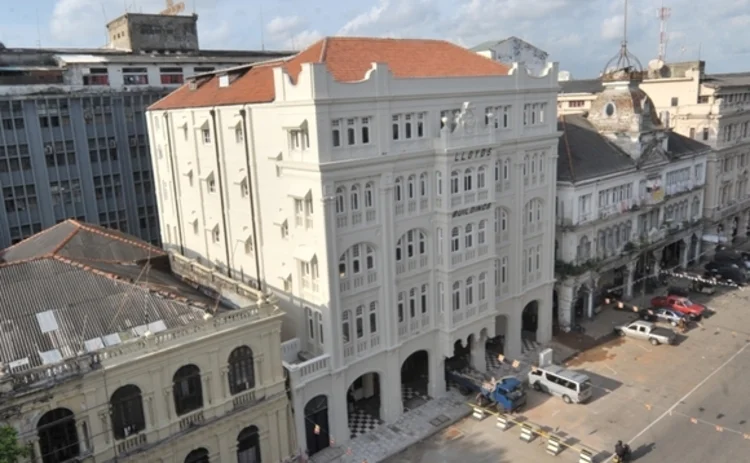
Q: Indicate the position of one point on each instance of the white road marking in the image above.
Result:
(685, 397)
(642, 347)
(610, 369)
(555, 412)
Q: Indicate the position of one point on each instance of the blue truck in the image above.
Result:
(507, 394)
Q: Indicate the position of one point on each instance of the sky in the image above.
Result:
(580, 34)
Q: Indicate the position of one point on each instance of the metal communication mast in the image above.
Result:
(663, 15)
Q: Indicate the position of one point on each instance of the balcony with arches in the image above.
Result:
(469, 242)
(360, 330)
(355, 205)
(532, 265)
(502, 175)
(534, 174)
(469, 299)
(411, 252)
(412, 194)
(357, 269)
(469, 186)
(533, 217)
(413, 312)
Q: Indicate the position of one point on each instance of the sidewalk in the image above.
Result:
(389, 439)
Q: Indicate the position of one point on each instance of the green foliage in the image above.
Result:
(10, 450)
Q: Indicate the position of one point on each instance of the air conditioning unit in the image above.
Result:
(112, 143)
(49, 149)
(133, 141)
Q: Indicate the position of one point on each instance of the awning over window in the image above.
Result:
(304, 253)
(299, 191)
(280, 218)
(301, 126)
(709, 238)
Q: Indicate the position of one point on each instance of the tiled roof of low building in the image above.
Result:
(77, 288)
(347, 59)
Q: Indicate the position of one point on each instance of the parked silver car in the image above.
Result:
(648, 331)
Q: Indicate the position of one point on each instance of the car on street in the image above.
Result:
(670, 316)
(641, 329)
(680, 304)
(726, 272)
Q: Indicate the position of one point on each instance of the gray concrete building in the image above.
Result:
(73, 140)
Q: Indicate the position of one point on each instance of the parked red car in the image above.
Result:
(680, 304)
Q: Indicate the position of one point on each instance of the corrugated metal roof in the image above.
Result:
(55, 309)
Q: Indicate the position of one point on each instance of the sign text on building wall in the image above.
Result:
(467, 155)
(471, 210)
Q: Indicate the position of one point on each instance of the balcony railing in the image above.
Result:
(193, 419)
(302, 372)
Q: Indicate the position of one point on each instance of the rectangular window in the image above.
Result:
(675, 101)
(336, 132)
(96, 76)
(420, 125)
(407, 126)
(692, 132)
(365, 130)
(396, 126)
(135, 76)
(351, 131)
(171, 76)
(705, 133)
(206, 135)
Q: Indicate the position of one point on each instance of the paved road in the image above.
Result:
(706, 376)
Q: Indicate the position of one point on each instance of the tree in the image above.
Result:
(10, 450)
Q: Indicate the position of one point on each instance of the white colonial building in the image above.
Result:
(398, 197)
(629, 195)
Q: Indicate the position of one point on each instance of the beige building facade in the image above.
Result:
(713, 109)
(176, 378)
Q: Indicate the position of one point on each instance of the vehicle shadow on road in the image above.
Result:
(603, 385)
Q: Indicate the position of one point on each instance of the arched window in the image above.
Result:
(584, 248)
(412, 303)
(400, 306)
(439, 183)
(469, 291)
(538, 257)
(506, 169)
(127, 411)
(480, 177)
(359, 321)
(248, 445)
(423, 300)
(346, 326)
(354, 197)
(187, 389)
(502, 220)
(455, 234)
(468, 175)
(197, 456)
(533, 165)
(241, 370)
(469, 236)
(398, 190)
(498, 170)
(525, 165)
(356, 259)
(423, 184)
(340, 201)
(456, 296)
(482, 286)
(441, 297)
(538, 208)
(454, 182)
(411, 244)
(412, 188)
(58, 438)
(481, 239)
(369, 201)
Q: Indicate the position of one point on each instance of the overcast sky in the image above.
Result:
(581, 34)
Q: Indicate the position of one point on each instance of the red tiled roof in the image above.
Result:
(348, 59)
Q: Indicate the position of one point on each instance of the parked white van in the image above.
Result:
(555, 380)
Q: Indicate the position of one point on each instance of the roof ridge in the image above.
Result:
(25, 261)
(324, 50)
(67, 239)
(567, 148)
(3, 251)
(145, 246)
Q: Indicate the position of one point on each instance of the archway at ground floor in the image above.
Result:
(317, 431)
(735, 224)
(364, 404)
(493, 347)
(694, 247)
(415, 380)
(530, 321)
(670, 257)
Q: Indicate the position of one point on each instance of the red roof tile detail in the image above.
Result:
(347, 59)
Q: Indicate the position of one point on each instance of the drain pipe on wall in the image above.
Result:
(170, 153)
(251, 196)
(220, 181)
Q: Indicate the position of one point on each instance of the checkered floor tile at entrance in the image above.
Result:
(412, 398)
(361, 422)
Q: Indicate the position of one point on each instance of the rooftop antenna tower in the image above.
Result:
(663, 15)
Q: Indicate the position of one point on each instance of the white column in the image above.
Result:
(387, 274)
(685, 252)
(391, 405)
(629, 276)
(332, 336)
(338, 421)
(298, 398)
(437, 373)
(565, 299)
